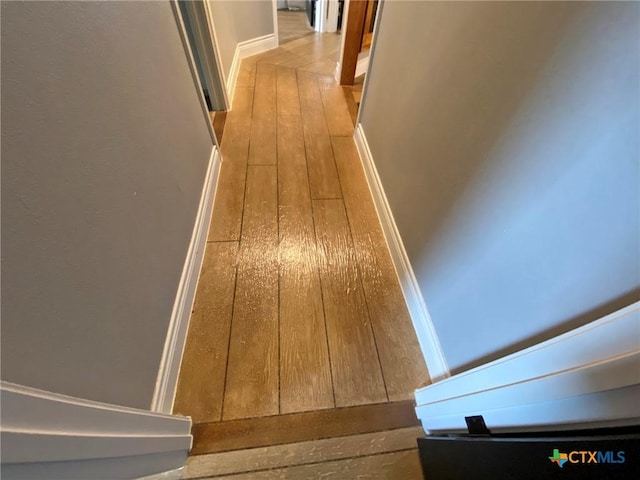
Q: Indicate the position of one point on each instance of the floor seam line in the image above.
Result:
(238, 254)
(317, 245)
(359, 270)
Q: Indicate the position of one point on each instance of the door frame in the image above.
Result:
(350, 60)
(192, 67)
(218, 56)
(205, 44)
(327, 23)
(274, 5)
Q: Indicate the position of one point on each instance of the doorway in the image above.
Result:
(357, 41)
(200, 35)
(294, 20)
(358, 38)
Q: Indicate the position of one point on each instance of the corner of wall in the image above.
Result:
(243, 50)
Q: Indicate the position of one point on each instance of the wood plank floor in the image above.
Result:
(299, 329)
(292, 25)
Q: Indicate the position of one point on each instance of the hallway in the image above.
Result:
(503, 161)
(298, 310)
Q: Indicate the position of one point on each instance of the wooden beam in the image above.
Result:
(353, 40)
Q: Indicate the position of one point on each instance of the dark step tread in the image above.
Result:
(299, 427)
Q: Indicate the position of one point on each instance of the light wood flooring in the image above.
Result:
(299, 330)
(316, 53)
(356, 89)
(292, 25)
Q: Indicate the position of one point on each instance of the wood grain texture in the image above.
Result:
(292, 25)
(296, 63)
(262, 150)
(323, 174)
(243, 105)
(292, 45)
(311, 50)
(335, 108)
(318, 320)
(218, 119)
(400, 356)
(246, 74)
(353, 95)
(319, 47)
(324, 67)
(202, 373)
(288, 102)
(262, 147)
(357, 376)
(252, 372)
(226, 218)
(302, 453)
(280, 58)
(317, 53)
(265, 55)
(403, 465)
(300, 427)
(305, 374)
(352, 104)
(313, 118)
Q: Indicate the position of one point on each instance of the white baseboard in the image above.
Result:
(243, 50)
(166, 383)
(176, 474)
(48, 435)
(363, 64)
(584, 378)
(425, 330)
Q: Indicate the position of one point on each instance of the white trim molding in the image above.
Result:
(49, 435)
(276, 32)
(192, 67)
(321, 7)
(585, 378)
(327, 13)
(217, 54)
(425, 330)
(363, 63)
(246, 49)
(166, 383)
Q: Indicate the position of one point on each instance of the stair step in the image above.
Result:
(384, 454)
(301, 427)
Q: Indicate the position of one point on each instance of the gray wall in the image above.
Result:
(238, 21)
(506, 136)
(104, 155)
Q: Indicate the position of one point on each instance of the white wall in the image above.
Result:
(506, 137)
(239, 21)
(104, 154)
